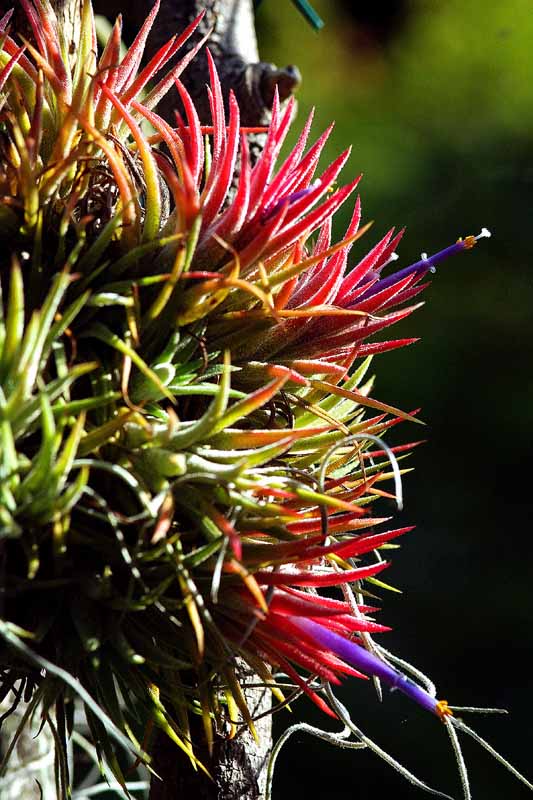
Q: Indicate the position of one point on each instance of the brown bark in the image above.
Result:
(233, 45)
(32, 762)
(237, 766)
(67, 12)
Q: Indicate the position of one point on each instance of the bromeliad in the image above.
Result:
(187, 459)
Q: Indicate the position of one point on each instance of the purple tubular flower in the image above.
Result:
(289, 199)
(367, 662)
(419, 268)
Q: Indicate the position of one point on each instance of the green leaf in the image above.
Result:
(207, 423)
(92, 259)
(306, 9)
(99, 331)
(39, 474)
(86, 621)
(309, 13)
(14, 325)
(250, 403)
(25, 417)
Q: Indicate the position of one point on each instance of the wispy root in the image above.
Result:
(341, 740)
(362, 437)
(454, 724)
(361, 741)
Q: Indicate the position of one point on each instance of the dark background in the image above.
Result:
(437, 100)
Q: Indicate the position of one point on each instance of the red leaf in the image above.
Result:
(308, 578)
(364, 266)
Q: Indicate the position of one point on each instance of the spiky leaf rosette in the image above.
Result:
(187, 456)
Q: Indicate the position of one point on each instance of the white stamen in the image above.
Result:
(392, 257)
(485, 234)
(425, 257)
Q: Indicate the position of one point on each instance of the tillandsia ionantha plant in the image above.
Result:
(190, 449)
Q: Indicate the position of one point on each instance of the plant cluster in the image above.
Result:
(189, 445)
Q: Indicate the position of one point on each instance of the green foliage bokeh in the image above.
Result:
(440, 116)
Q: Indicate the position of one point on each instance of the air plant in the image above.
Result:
(189, 444)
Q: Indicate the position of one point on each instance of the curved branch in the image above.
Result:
(233, 44)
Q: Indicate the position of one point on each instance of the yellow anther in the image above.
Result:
(468, 242)
(443, 709)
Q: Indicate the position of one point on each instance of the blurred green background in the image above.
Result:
(436, 98)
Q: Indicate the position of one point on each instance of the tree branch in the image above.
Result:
(233, 44)
(68, 14)
(237, 766)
